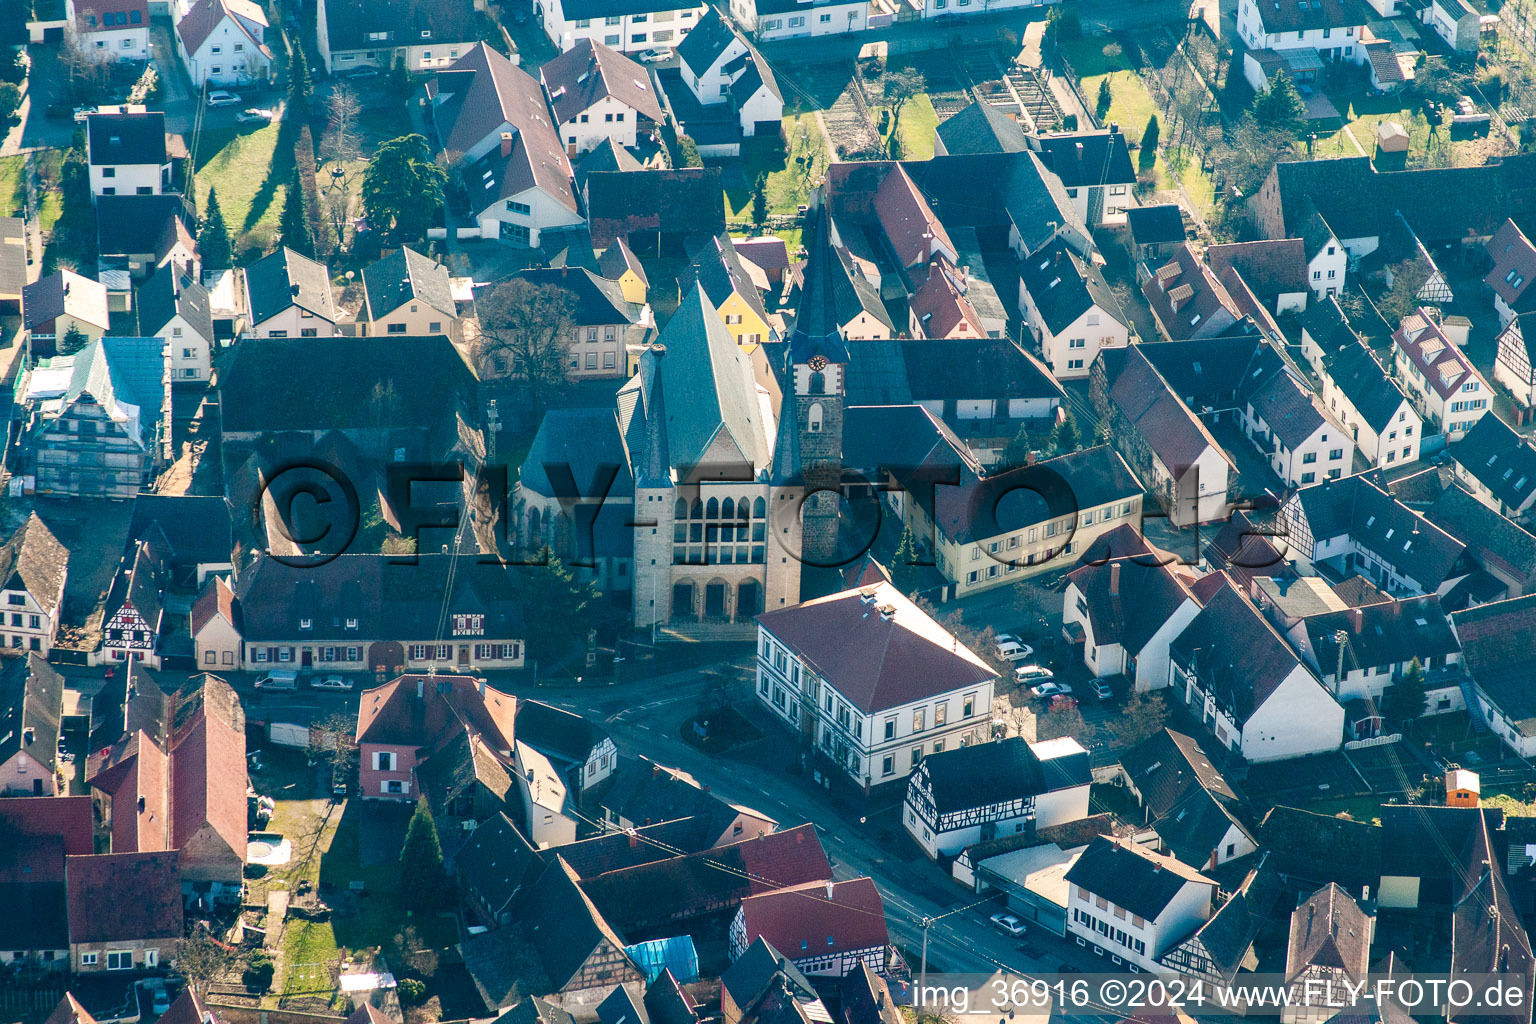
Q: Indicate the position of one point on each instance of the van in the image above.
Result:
(1013, 650)
(279, 679)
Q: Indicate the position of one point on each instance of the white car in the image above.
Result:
(222, 99)
(330, 683)
(655, 56)
(1051, 689)
(1013, 650)
(1032, 673)
(1008, 923)
(256, 114)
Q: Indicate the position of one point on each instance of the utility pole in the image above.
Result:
(922, 974)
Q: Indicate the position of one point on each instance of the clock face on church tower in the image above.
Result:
(818, 363)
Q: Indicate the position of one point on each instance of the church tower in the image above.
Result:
(815, 396)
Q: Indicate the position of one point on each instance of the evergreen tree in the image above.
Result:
(760, 201)
(1405, 700)
(904, 571)
(213, 240)
(1149, 138)
(295, 219)
(73, 341)
(1280, 106)
(1106, 98)
(559, 607)
(300, 84)
(421, 861)
(1016, 453)
(1066, 437)
(403, 188)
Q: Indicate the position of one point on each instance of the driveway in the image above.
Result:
(33, 129)
(178, 99)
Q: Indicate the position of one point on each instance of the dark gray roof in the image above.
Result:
(1154, 409)
(565, 929)
(1329, 930)
(1087, 158)
(1127, 599)
(682, 201)
(1312, 848)
(667, 1002)
(130, 225)
(118, 139)
(1359, 507)
(589, 72)
(618, 259)
(1131, 876)
(1155, 224)
(13, 255)
(168, 293)
(33, 560)
(982, 128)
(1426, 842)
(1187, 800)
(705, 42)
(992, 773)
(352, 24)
(284, 279)
(496, 861)
(31, 706)
(557, 734)
(605, 156)
(622, 1008)
(757, 969)
(1002, 190)
(1063, 286)
(599, 301)
(1357, 374)
(403, 276)
(1490, 537)
(576, 9)
(196, 528)
(1227, 936)
(1382, 634)
(900, 437)
(1498, 641)
(1499, 459)
(534, 1010)
(719, 271)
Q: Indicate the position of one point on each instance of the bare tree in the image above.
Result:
(341, 142)
(203, 959)
(332, 745)
(525, 333)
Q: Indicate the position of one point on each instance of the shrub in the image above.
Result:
(411, 991)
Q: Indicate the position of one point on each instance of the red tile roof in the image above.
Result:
(818, 919)
(68, 817)
(393, 713)
(941, 310)
(208, 783)
(1444, 365)
(216, 599)
(908, 221)
(101, 908)
(99, 9)
(874, 658)
(69, 1011)
(1514, 263)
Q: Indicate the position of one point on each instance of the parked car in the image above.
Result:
(363, 71)
(219, 98)
(82, 112)
(161, 1002)
(1102, 690)
(250, 114)
(330, 683)
(1051, 688)
(1008, 923)
(1032, 674)
(655, 56)
(279, 679)
(1013, 650)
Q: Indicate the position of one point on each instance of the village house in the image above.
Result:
(1457, 23)
(1302, 441)
(289, 296)
(778, 19)
(1305, 37)
(408, 293)
(1187, 801)
(1421, 850)
(98, 421)
(1383, 423)
(1512, 272)
(598, 93)
(871, 721)
(722, 70)
(1354, 526)
(1238, 677)
(1155, 232)
(660, 24)
(1448, 391)
(1095, 168)
(653, 210)
(1186, 298)
(762, 972)
(31, 705)
(403, 723)
(423, 34)
(1497, 466)
(137, 235)
(134, 612)
(1329, 949)
(109, 933)
(1160, 438)
(1492, 637)
(33, 569)
(726, 281)
(223, 42)
(976, 793)
(979, 128)
(173, 306)
(1130, 904)
(1070, 310)
(1514, 365)
(492, 119)
(646, 793)
(128, 153)
(1275, 271)
(54, 305)
(1126, 612)
(939, 308)
(605, 326)
(111, 30)
(36, 834)
(827, 928)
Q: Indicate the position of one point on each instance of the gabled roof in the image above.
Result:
(648, 793)
(414, 710)
(684, 201)
(564, 928)
(941, 306)
(13, 256)
(1316, 848)
(621, 1007)
(69, 1011)
(1083, 159)
(994, 773)
(557, 733)
(759, 969)
(614, 851)
(668, 1002)
(1154, 410)
(1498, 641)
(1490, 538)
(64, 291)
(496, 862)
(1155, 225)
(1187, 800)
(1361, 379)
(618, 259)
(905, 370)
(1129, 875)
(819, 918)
(31, 706)
(1128, 599)
(1063, 287)
(171, 293)
(405, 275)
(1514, 266)
(1487, 935)
(32, 559)
(128, 225)
(1227, 936)
(190, 529)
(1498, 458)
(707, 42)
(1359, 507)
(718, 270)
(204, 16)
(1187, 299)
(1329, 930)
(607, 155)
(208, 776)
(99, 914)
(982, 128)
(877, 648)
(118, 139)
(284, 279)
(1307, 15)
(909, 223)
(217, 599)
(589, 72)
(1270, 268)
(1382, 634)
(1428, 841)
(66, 818)
(354, 24)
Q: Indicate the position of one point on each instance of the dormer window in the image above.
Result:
(306, 623)
(351, 623)
(426, 33)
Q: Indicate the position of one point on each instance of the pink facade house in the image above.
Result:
(401, 722)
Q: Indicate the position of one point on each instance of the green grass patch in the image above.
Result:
(13, 184)
(791, 168)
(919, 121)
(1359, 808)
(250, 169)
(51, 204)
(1094, 56)
(1130, 105)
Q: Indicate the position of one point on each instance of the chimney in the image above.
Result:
(1114, 127)
(1079, 151)
(829, 889)
(506, 143)
(1114, 579)
(1357, 616)
(421, 687)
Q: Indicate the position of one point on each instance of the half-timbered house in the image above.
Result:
(33, 570)
(1130, 904)
(825, 928)
(972, 794)
(1330, 946)
(1221, 948)
(133, 613)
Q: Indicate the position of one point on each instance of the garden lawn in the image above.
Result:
(51, 202)
(1131, 106)
(13, 191)
(250, 170)
(919, 121)
(790, 168)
